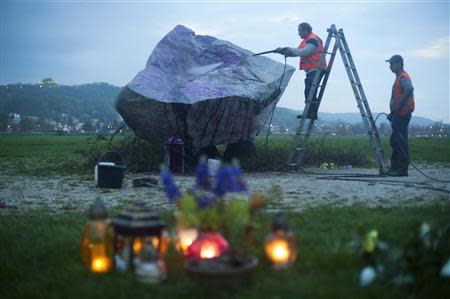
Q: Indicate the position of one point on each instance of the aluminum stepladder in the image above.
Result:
(301, 137)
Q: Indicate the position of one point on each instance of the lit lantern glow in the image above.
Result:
(185, 237)
(280, 246)
(209, 250)
(163, 243)
(207, 246)
(279, 251)
(138, 243)
(155, 242)
(133, 228)
(96, 240)
(99, 260)
(100, 264)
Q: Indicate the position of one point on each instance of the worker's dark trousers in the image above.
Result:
(314, 107)
(399, 140)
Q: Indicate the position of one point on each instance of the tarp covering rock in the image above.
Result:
(207, 90)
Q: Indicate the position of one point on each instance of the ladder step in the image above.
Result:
(299, 149)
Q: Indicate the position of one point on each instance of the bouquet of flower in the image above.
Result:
(220, 208)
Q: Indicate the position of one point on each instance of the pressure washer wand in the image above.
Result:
(262, 53)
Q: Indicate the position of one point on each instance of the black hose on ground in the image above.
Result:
(411, 163)
(360, 177)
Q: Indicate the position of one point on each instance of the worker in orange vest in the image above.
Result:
(402, 106)
(309, 51)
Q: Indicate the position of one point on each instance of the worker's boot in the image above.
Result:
(312, 113)
(394, 169)
(398, 168)
(404, 165)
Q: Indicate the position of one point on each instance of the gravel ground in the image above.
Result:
(70, 193)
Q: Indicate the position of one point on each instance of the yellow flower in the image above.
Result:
(370, 241)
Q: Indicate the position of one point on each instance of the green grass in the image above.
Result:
(51, 154)
(40, 258)
(430, 150)
(43, 154)
(341, 150)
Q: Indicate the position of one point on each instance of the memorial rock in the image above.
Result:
(207, 90)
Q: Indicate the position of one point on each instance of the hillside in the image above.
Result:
(286, 117)
(96, 101)
(49, 101)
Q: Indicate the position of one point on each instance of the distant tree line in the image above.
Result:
(47, 106)
(51, 101)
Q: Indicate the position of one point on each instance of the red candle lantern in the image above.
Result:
(207, 246)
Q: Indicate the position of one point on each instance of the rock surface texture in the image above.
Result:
(207, 90)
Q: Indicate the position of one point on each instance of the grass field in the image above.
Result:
(39, 258)
(39, 252)
(50, 154)
(43, 154)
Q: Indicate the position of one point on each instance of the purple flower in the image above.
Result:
(229, 179)
(202, 177)
(204, 198)
(224, 180)
(170, 188)
(238, 180)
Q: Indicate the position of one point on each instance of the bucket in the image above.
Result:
(213, 167)
(174, 154)
(109, 174)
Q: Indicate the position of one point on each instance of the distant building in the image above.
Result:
(49, 82)
(15, 118)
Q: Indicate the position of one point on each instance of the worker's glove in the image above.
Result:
(389, 117)
(283, 51)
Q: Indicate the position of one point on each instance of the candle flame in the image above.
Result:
(185, 238)
(99, 259)
(137, 246)
(100, 264)
(209, 250)
(155, 242)
(280, 251)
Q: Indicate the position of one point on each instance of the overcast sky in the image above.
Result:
(77, 42)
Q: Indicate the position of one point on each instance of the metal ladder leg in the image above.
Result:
(362, 102)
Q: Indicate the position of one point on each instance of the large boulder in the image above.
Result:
(207, 90)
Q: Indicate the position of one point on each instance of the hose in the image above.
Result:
(405, 154)
(361, 177)
(275, 105)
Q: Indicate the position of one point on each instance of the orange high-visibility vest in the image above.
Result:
(397, 95)
(311, 62)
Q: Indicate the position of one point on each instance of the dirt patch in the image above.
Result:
(72, 193)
